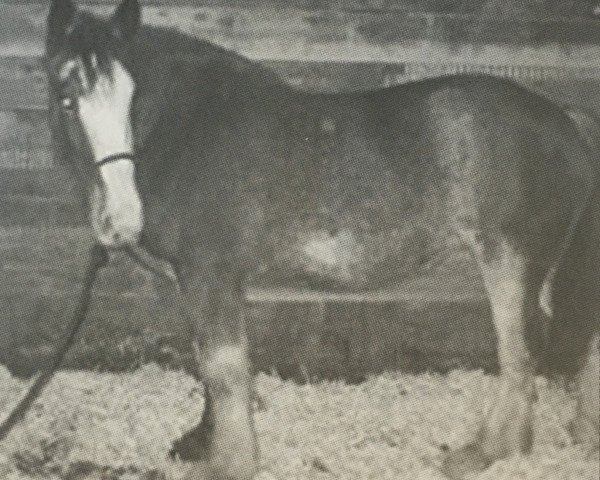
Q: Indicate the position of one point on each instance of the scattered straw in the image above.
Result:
(390, 427)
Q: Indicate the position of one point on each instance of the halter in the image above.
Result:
(116, 157)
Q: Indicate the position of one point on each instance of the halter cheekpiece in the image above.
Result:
(116, 157)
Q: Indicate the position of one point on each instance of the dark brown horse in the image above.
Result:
(210, 162)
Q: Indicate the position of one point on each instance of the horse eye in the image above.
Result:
(67, 103)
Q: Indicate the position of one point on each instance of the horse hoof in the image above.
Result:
(466, 461)
(189, 448)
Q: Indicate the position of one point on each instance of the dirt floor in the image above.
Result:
(393, 426)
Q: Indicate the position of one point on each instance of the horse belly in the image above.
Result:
(358, 228)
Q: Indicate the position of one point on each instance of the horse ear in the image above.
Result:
(59, 19)
(126, 19)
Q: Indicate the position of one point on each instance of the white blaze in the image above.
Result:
(104, 113)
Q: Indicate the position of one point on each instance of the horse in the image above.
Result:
(212, 163)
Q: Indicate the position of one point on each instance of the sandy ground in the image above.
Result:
(392, 426)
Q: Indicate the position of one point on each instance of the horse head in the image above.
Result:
(91, 96)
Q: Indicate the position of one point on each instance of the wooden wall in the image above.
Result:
(317, 45)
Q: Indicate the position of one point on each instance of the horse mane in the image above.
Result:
(174, 43)
(170, 40)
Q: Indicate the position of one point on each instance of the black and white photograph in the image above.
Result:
(299, 239)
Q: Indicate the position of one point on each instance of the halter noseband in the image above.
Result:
(116, 157)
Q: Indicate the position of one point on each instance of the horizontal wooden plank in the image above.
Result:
(22, 83)
(20, 156)
(55, 182)
(414, 292)
(313, 4)
(570, 10)
(316, 4)
(26, 210)
(360, 5)
(294, 34)
(27, 126)
(24, 141)
(209, 3)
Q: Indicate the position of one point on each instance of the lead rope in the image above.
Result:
(166, 270)
(98, 259)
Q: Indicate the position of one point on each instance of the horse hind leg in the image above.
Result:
(513, 285)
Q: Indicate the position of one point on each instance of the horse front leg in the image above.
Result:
(512, 287)
(223, 445)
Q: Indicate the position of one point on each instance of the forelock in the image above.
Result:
(90, 43)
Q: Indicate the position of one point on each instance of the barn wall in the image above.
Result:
(317, 45)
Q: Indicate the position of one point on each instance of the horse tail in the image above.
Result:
(576, 284)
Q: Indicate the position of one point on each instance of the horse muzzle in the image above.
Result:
(117, 232)
(116, 209)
